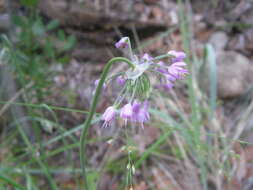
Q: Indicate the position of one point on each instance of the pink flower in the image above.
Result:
(136, 106)
(147, 58)
(171, 78)
(140, 112)
(126, 111)
(177, 71)
(136, 109)
(177, 55)
(122, 43)
(162, 69)
(169, 85)
(108, 116)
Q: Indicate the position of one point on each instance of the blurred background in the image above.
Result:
(200, 136)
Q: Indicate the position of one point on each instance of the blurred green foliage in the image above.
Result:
(35, 46)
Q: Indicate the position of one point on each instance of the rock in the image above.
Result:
(242, 42)
(249, 40)
(234, 75)
(219, 40)
(237, 43)
(240, 9)
(86, 15)
(247, 17)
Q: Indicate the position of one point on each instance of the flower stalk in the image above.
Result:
(87, 123)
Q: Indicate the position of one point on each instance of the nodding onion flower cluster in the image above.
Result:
(136, 84)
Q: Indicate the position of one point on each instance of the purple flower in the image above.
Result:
(121, 80)
(136, 109)
(162, 69)
(136, 106)
(179, 64)
(177, 55)
(177, 71)
(126, 111)
(171, 78)
(147, 58)
(169, 85)
(122, 43)
(108, 116)
(140, 112)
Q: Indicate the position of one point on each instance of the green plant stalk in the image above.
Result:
(87, 122)
(196, 115)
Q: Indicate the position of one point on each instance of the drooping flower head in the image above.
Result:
(108, 116)
(137, 83)
(122, 43)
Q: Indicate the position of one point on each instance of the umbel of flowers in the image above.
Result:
(132, 103)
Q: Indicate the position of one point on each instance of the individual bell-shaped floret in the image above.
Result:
(162, 68)
(122, 43)
(146, 58)
(126, 111)
(108, 116)
(140, 113)
(177, 55)
(177, 70)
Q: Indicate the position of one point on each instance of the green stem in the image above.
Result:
(87, 122)
(162, 57)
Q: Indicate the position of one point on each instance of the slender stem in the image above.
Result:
(162, 57)
(87, 122)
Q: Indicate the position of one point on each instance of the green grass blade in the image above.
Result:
(11, 182)
(33, 151)
(210, 58)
